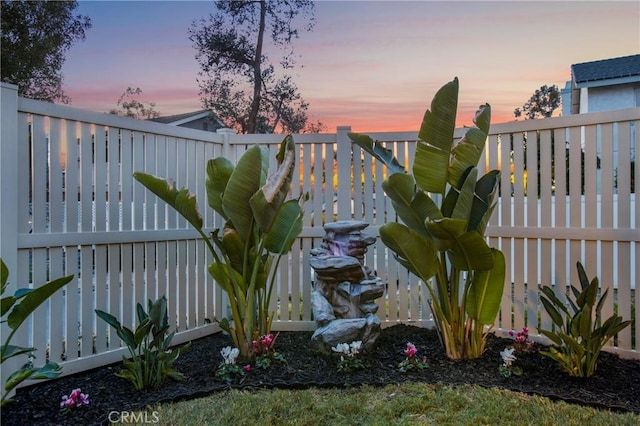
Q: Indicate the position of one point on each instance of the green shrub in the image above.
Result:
(149, 345)
(578, 334)
(15, 310)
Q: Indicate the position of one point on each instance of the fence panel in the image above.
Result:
(79, 211)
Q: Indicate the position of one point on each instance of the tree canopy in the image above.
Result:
(130, 106)
(239, 81)
(35, 37)
(542, 103)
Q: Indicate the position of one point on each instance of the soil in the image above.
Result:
(615, 385)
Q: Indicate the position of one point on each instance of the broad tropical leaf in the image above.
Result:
(183, 201)
(419, 252)
(286, 228)
(266, 202)
(378, 151)
(468, 150)
(219, 171)
(33, 299)
(247, 177)
(485, 293)
(433, 151)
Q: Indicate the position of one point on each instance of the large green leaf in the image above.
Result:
(247, 177)
(445, 231)
(266, 202)
(485, 293)
(464, 200)
(471, 253)
(484, 201)
(378, 151)
(4, 275)
(467, 152)
(233, 247)
(413, 207)
(9, 351)
(183, 201)
(33, 299)
(433, 151)
(219, 171)
(286, 228)
(419, 252)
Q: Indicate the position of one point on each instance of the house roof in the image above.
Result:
(178, 119)
(606, 69)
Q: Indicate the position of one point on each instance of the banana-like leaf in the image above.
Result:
(233, 246)
(183, 201)
(286, 228)
(413, 206)
(419, 252)
(445, 231)
(464, 200)
(468, 150)
(219, 171)
(552, 311)
(4, 275)
(433, 151)
(33, 299)
(471, 253)
(485, 292)
(378, 151)
(9, 351)
(220, 273)
(266, 202)
(247, 177)
(484, 201)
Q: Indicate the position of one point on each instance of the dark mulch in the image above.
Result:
(615, 386)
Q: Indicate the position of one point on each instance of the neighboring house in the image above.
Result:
(200, 120)
(602, 85)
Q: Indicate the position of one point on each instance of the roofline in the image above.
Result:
(608, 81)
(195, 117)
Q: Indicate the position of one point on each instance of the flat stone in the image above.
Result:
(366, 330)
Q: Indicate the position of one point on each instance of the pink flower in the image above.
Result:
(247, 368)
(411, 350)
(266, 340)
(256, 345)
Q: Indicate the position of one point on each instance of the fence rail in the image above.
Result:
(71, 206)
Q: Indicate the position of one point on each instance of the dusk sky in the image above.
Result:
(373, 65)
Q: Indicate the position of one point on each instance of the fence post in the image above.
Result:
(9, 199)
(344, 161)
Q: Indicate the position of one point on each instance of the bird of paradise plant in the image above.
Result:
(445, 245)
(261, 226)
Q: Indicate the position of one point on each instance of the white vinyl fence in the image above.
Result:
(71, 206)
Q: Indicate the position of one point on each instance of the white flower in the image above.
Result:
(342, 348)
(230, 354)
(507, 356)
(355, 347)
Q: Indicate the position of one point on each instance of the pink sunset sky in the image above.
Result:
(372, 65)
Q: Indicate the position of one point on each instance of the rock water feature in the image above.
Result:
(343, 300)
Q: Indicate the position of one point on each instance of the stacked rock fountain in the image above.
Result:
(343, 300)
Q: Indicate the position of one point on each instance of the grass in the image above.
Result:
(405, 404)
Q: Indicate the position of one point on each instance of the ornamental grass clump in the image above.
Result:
(579, 331)
(445, 245)
(149, 345)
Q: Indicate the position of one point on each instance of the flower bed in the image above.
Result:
(615, 385)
